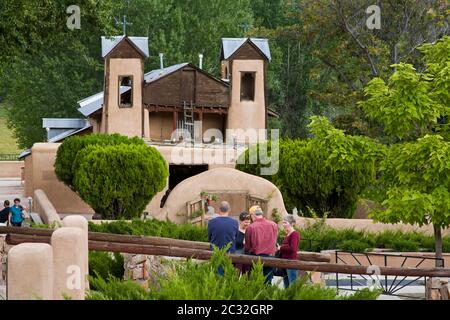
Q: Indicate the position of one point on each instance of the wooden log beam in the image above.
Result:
(241, 258)
(146, 240)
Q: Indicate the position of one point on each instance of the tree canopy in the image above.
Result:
(323, 54)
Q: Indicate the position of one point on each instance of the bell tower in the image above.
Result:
(244, 64)
(123, 111)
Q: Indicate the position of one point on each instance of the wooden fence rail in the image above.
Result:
(146, 240)
(171, 247)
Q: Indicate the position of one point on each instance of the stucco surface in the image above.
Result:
(43, 206)
(126, 121)
(30, 272)
(69, 261)
(247, 114)
(220, 179)
(11, 169)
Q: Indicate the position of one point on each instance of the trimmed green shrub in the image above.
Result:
(68, 151)
(118, 181)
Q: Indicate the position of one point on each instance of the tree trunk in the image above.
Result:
(438, 245)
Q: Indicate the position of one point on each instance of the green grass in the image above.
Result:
(8, 143)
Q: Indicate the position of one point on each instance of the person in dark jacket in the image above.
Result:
(244, 222)
(223, 231)
(289, 248)
(4, 213)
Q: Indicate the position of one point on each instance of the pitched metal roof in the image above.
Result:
(64, 123)
(94, 103)
(69, 133)
(25, 153)
(231, 45)
(60, 137)
(109, 43)
(159, 73)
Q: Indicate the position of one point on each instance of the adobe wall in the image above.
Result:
(226, 179)
(11, 169)
(241, 112)
(126, 121)
(28, 176)
(41, 175)
(44, 207)
(369, 225)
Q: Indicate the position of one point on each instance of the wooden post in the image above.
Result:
(30, 272)
(437, 289)
(174, 120)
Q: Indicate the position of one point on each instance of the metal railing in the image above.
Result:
(389, 285)
(9, 156)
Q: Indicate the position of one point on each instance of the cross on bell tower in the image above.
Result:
(124, 24)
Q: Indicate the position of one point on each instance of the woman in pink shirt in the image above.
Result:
(289, 248)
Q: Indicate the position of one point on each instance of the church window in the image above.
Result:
(125, 96)
(247, 86)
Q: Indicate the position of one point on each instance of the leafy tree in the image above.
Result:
(414, 181)
(325, 173)
(418, 178)
(344, 55)
(182, 29)
(45, 68)
(404, 105)
(118, 181)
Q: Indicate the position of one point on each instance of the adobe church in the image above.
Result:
(179, 107)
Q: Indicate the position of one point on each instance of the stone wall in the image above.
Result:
(147, 269)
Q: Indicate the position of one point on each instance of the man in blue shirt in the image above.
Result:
(16, 213)
(223, 229)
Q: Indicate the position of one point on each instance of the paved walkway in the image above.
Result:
(11, 188)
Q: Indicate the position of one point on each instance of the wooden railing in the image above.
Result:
(308, 261)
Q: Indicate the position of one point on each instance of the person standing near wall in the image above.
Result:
(261, 238)
(16, 217)
(244, 222)
(223, 230)
(289, 248)
(4, 213)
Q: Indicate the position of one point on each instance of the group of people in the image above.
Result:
(12, 215)
(254, 235)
